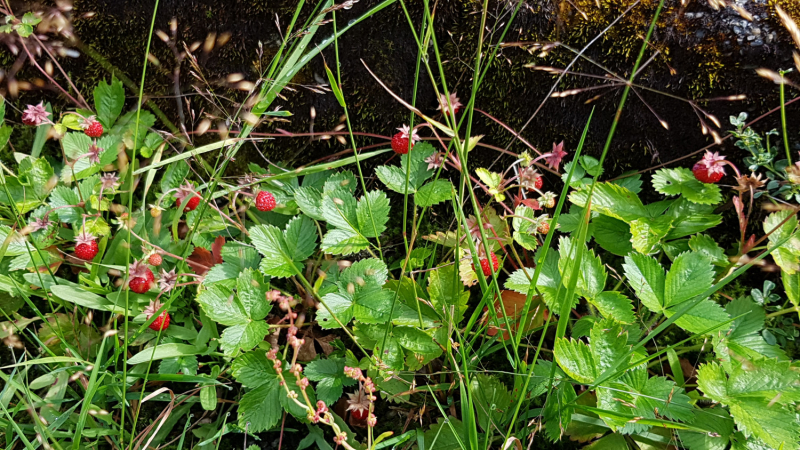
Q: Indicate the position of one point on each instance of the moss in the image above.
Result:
(792, 7)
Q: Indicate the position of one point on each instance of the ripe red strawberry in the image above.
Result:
(140, 285)
(486, 268)
(191, 205)
(400, 140)
(360, 414)
(702, 174)
(543, 228)
(265, 201)
(161, 322)
(93, 128)
(538, 183)
(400, 146)
(86, 251)
(86, 246)
(155, 259)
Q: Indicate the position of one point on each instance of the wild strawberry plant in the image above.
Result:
(496, 307)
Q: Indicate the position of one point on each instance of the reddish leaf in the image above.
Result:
(201, 260)
(513, 305)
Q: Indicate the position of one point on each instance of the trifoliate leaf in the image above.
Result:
(760, 398)
(284, 250)
(330, 378)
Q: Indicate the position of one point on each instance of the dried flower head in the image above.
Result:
(444, 104)
(93, 154)
(358, 402)
(528, 177)
(407, 133)
(749, 182)
(39, 224)
(435, 161)
(167, 280)
(109, 180)
(35, 115)
(184, 192)
(554, 158)
(152, 308)
(138, 269)
(84, 238)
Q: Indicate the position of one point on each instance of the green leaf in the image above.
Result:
(744, 338)
(613, 235)
(343, 242)
(576, 360)
(681, 181)
(243, 337)
(433, 193)
(647, 233)
(174, 176)
(614, 305)
(609, 344)
(359, 295)
(186, 365)
(416, 340)
(309, 199)
(787, 256)
(715, 419)
(414, 162)
(253, 369)
(611, 200)
(691, 218)
(525, 227)
(705, 244)
(260, 409)
(448, 296)
(592, 275)
(108, 101)
(691, 274)
(75, 145)
(373, 213)
(164, 351)
(30, 18)
(491, 399)
(79, 296)
(330, 378)
(791, 285)
(760, 399)
(558, 410)
(243, 312)
(446, 434)
(647, 278)
(285, 251)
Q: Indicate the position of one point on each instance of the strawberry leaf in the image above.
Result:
(681, 181)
